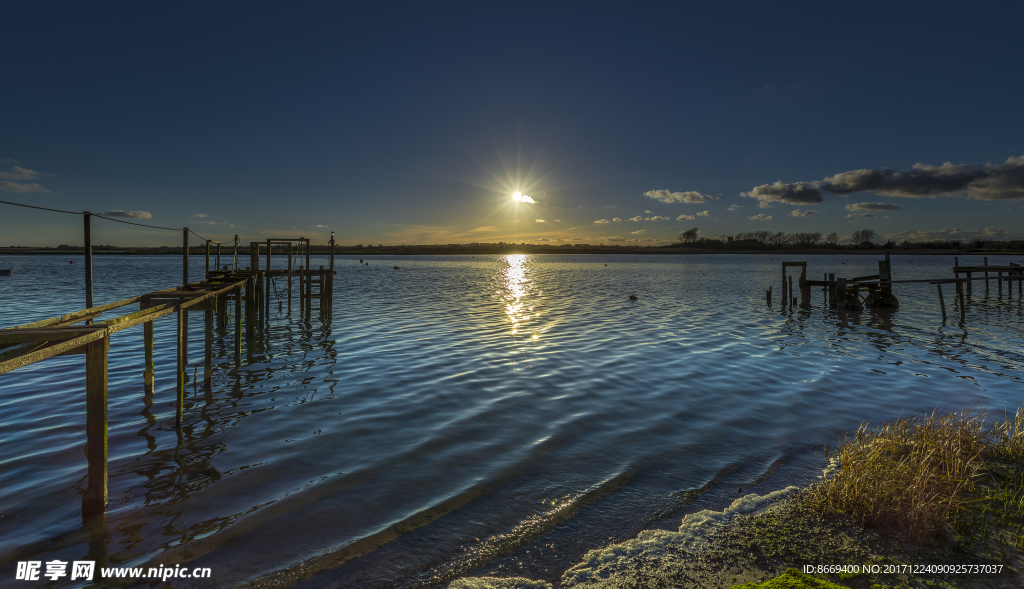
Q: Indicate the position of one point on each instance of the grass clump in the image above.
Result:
(926, 476)
(791, 579)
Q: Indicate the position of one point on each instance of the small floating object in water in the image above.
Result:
(5, 272)
(367, 263)
(360, 261)
(396, 267)
(71, 262)
(632, 297)
(739, 489)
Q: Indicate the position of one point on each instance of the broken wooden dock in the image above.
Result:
(246, 292)
(875, 291)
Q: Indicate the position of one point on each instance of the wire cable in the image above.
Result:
(18, 204)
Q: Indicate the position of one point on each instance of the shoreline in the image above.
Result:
(538, 250)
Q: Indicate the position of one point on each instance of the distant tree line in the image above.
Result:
(859, 239)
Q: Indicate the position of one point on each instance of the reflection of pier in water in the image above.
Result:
(875, 291)
(247, 292)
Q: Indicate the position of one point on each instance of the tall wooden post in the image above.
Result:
(87, 219)
(970, 283)
(999, 282)
(942, 303)
(963, 307)
(289, 277)
(147, 343)
(238, 326)
(181, 367)
(94, 501)
(250, 300)
(330, 277)
(184, 255)
(208, 364)
(309, 282)
(266, 291)
(218, 255)
(832, 290)
(207, 275)
(789, 300)
(841, 294)
(805, 289)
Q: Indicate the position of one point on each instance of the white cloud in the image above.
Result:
(320, 226)
(802, 213)
(539, 220)
(734, 207)
(556, 220)
(602, 221)
(685, 218)
(761, 217)
(613, 239)
(704, 214)
(638, 232)
(636, 218)
(860, 215)
(21, 188)
(648, 212)
(128, 214)
(616, 220)
(200, 215)
(19, 173)
(642, 240)
(658, 218)
(689, 197)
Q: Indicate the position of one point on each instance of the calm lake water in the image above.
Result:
(488, 415)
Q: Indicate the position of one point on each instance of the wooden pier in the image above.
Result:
(223, 293)
(875, 291)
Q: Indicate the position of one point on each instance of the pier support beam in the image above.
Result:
(942, 303)
(180, 390)
(238, 326)
(208, 364)
(87, 218)
(963, 308)
(94, 502)
(147, 344)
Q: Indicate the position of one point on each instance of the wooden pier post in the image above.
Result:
(832, 297)
(147, 343)
(885, 274)
(238, 326)
(207, 275)
(999, 282)
(309, 281)
(970, 283)
(208, 364)
(841, 295)
(963, 309)
(87, 219)
(94, 501)
(768, 295)
(250, 303)
(805, 289)
(218, 254)
(289, 277)
(180, 391)
(266, 290)
(942, 303)
(330, 277)
(790, 293)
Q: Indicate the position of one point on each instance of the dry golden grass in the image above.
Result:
(918, 476)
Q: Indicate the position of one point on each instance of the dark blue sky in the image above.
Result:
(416, 123)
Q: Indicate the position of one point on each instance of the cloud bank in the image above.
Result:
(989, 182)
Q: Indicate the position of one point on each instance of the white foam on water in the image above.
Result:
(691, 537)
(496, 583)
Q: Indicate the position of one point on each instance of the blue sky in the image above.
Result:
(416, 123)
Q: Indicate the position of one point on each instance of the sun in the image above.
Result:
(517, 196)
